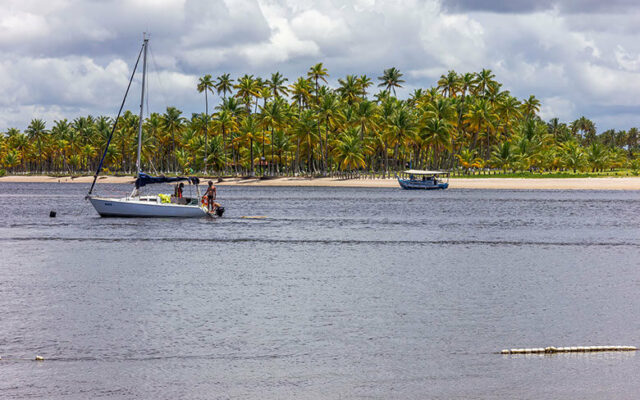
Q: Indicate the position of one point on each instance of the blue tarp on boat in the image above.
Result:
(144, 179)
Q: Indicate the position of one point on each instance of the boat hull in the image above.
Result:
(144, 209)
(420, 185)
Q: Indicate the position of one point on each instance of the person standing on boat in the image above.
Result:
(210, 194)
(179, 189)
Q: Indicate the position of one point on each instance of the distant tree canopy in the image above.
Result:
(273, 126)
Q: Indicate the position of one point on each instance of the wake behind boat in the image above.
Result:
(161, 205)
(425, 180)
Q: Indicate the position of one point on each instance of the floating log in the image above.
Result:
(39, 358)
(579, 349)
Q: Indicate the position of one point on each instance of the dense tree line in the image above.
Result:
(275, 127)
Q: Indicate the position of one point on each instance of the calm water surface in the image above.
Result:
(338, 294)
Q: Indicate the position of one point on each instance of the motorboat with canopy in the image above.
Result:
(159, 205)
(423, 179)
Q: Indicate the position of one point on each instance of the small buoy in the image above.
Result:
(52, 214)
(39, 358)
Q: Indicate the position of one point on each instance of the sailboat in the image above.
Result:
(137, 205)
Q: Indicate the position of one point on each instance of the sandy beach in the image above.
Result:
(605, 183)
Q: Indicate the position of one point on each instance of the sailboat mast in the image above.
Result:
(144, 76)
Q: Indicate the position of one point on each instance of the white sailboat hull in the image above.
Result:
(134, 207)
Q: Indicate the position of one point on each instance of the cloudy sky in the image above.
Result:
(65, 58)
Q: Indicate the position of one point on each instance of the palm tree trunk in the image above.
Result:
(206, 129)
(386, 160)
(297, 166)
(321, 149)
(224, 149)
(326, 143)
(271, 157)
(310, 157)
(251, 153)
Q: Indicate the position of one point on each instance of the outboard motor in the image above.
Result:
(219, 211)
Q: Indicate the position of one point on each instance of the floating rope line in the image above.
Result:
(580, 349)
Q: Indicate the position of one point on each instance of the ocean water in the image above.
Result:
(337, 294)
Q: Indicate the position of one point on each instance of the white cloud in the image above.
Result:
(557, 107)
(626, 60)
(283, 43)
(456, 41)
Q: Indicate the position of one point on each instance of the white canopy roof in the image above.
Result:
(424, 172)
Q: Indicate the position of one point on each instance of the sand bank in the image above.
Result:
(606, 183)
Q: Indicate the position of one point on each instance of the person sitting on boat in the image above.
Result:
(210, 194)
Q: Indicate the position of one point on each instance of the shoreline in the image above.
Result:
(604, 183)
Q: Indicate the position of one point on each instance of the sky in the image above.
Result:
(67, 58)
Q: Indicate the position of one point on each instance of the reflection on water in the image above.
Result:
(338, 293)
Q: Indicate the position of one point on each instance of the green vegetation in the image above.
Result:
(466, 124)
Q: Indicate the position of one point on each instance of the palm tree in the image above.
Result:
(364, 82)
(21, 143)
(273, 115)
(402, 130)
(60, 132)
(584, 127)
(225, 121)
(11, 160)
(318, 73)
(502, 156)
(249, 129)
(206, 85)
(224, 85)
(301, 92)
(632, 141)
(303, 128)
(277, 85)
(390, 79)
(468, 160)
(597, 157)
(449, 84)
(437, 135)
(349, 89)
(467, 84)
(481, 119)
(530, 107)
(572, 155)
(366, 117)
(247, 87)
(37, 131)
(173, 122)
(327, 111)
(349, 151)
(484, 79)
(508, 110)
